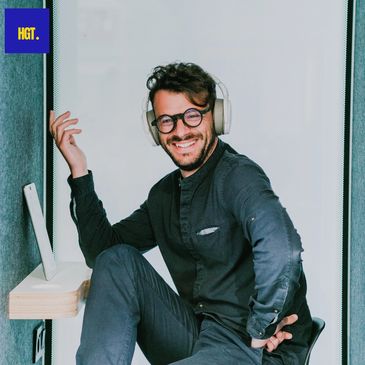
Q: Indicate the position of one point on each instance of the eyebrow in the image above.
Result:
(203, 111)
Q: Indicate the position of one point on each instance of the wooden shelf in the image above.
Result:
(61, 297)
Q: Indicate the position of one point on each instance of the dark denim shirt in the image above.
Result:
(230, 246)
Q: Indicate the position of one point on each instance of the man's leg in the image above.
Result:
(127, 301)
(219, 346)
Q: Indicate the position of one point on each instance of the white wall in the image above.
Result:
(283, 63)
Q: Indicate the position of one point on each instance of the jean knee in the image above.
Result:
(115, 275)
(119, 252)
(122, 256)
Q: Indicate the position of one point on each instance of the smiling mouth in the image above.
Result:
(183, 145)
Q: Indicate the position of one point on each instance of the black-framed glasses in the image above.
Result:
(191, 117)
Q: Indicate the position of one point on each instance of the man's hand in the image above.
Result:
(278, 337)
(66, 143)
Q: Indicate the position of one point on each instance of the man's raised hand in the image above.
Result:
(66, 143)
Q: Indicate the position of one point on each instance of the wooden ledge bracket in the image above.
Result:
(61, 297)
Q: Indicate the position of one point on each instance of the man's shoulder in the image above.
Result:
(235, 165)
(234, 158)
(238, 175)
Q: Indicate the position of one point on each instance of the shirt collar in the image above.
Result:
(198, 176)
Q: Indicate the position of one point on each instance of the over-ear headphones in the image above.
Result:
(221, 114)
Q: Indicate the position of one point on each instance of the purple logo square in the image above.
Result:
(27, 30)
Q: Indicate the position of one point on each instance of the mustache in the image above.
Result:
(184, 138)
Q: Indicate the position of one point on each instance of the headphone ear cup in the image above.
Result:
(150, 116)
(219, 116)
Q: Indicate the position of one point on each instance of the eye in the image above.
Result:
(192, 115)
(164, 120)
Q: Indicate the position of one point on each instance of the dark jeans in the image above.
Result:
(128, 302)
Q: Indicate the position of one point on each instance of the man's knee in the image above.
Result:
(117, 259)
(120, 253)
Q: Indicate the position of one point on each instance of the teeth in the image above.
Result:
(184, 145)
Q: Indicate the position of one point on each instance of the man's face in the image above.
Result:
(188, 147)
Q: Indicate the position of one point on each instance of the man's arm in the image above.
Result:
(94, 229)
(276, 249)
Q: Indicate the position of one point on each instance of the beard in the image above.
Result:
(199, 160)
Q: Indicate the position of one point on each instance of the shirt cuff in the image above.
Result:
(260, 331)
(81, 185)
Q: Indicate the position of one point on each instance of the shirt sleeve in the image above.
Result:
(276, 249)
(94, 229)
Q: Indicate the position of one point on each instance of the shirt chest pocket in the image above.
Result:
(212, 241)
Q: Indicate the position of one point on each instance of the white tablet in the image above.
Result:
(39, 226)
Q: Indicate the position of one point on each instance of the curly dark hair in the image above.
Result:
(187, 78)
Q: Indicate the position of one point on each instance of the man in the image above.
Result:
(229, 245)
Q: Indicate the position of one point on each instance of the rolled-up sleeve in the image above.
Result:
(276, 249)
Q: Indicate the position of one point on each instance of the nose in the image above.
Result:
(181, 128)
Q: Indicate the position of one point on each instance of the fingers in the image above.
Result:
(57, 126)
(53, 123)
(62, 135)
(67, 135)
(51, 119)
(290, 319)
(286, 321)
(272, 344)
(276, 340)
(283, 335)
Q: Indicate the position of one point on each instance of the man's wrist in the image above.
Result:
(257, 343)
(81, 185)
(75, 173)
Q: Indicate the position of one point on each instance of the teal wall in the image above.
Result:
(21, 162)
(357, 243)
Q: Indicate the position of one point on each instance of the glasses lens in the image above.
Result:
(165, 123)
(192, 117)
